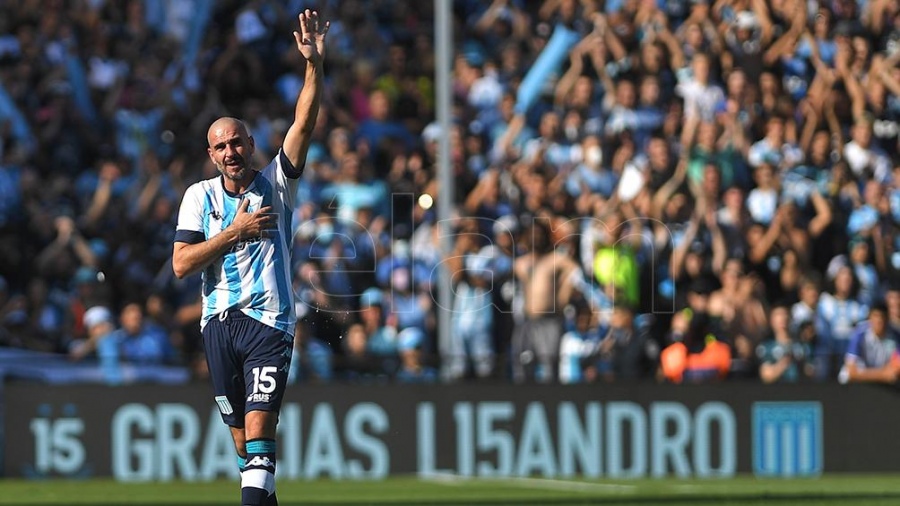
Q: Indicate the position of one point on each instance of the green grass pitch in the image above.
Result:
(857, 490)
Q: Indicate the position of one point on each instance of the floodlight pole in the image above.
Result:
(443, 29)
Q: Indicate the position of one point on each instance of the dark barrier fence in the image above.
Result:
(368, 432)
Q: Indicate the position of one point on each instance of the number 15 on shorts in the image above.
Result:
(263, 383)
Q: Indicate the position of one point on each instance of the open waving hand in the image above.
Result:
(311, 38)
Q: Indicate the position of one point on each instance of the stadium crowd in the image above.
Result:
(672, 190)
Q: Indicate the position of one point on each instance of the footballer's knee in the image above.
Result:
(260, 424)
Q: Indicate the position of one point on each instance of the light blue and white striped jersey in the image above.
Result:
(837, 318)
(868, 350)
(255, 275)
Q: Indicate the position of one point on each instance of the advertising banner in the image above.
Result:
(142, 433)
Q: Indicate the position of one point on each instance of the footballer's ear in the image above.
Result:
(252, 143)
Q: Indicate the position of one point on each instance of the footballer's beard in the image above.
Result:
(236, 172)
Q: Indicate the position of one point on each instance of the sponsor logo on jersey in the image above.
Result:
(258, 398)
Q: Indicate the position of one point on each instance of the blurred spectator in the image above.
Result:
(356, 364)
(773, 149)
(872, 354)
(838, 312)
(578, 345)
(590, 175)
(861, 260)
(701, 97)
(740, 315)
(615, 261)
(626, 351)
(136, 342)
(696, 353)
(380, 127)
(472, 321)
(140, 340)
(354, 189)
(804, 310)
(412, 370)
(705, 362)
(864, 218)
(99, 323)
(405, 304)
(864, 157)
(535, 345)
(503, 289)
(380, 334)
(312, 359)
(762, 202)
(783, 357)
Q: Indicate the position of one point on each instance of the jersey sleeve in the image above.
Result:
(855, 348)
(190, 217)
(288, 168)
(284, 176)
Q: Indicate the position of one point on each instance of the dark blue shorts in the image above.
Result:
(248, 365)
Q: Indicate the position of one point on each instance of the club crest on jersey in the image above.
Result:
(224, 406)
(255, 202)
